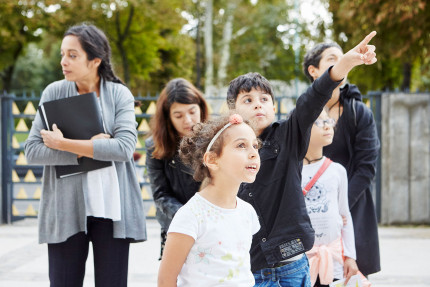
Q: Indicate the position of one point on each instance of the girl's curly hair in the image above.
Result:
(192, 148)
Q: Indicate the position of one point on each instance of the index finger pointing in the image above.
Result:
(368, 38)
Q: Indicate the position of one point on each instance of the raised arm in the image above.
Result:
(308, 107)
(311, 103)
(360, 54)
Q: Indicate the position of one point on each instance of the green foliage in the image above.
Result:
(257, 44)
(403, 28)
(149, 44)
(144, 35)
(37, 67)
(20, 23)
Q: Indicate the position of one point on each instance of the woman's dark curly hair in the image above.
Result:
(192, 148)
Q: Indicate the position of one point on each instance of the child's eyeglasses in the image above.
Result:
(329, 122)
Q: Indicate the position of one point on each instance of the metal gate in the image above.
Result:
(21, 183)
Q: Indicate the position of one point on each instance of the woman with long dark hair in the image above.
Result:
(355, 146)
(179, 107)
(103, 206)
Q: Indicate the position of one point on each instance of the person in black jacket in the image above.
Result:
(179, 107)
(277, 251)
(356, 147)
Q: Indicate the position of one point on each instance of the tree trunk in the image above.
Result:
(208, 49)
(225, 47)
(406, 84)
(6, 77)
(122, 36)
(198, 55)
(7, 74)
(125, 66)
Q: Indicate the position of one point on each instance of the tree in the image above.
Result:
(20, 24)
(246, 36)
(176, 49)
(225, 43)
(208, 47)
(262, 41)
(402, 42)
(144, 35)
(37, 67)
(147, 46)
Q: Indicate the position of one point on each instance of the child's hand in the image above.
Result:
(350, 268)
(360, 54)
(344, 220)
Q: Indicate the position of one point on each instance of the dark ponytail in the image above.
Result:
(95, 43)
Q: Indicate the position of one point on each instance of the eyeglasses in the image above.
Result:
(330, 123)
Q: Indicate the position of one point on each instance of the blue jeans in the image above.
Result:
(294, 274)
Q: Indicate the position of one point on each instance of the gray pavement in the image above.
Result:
(24, 263)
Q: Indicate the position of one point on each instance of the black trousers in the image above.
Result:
(67, 259)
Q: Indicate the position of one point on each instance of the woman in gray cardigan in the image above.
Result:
(103, 206)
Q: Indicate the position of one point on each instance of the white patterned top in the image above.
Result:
(327, 202)
(220, 254)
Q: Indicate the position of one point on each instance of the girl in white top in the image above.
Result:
(209, 238)
(327, 205)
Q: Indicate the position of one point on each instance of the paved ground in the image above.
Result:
(24, 263)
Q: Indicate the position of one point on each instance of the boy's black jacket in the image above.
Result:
(276, 194)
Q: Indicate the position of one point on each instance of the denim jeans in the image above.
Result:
(294, 274)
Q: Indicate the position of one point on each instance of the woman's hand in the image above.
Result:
(98, 136)
(101, 136)
(350, 268)
(52, 139)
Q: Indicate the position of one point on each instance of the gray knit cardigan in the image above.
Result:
(62, 207)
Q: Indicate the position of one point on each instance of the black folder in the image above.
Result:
(77, 117)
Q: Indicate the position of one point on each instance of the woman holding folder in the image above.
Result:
(103, 206)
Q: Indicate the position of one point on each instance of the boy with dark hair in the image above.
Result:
(277, 251)
(355, 146)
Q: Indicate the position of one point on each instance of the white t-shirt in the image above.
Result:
(326, 202)
(220, 254)
(103, 196)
